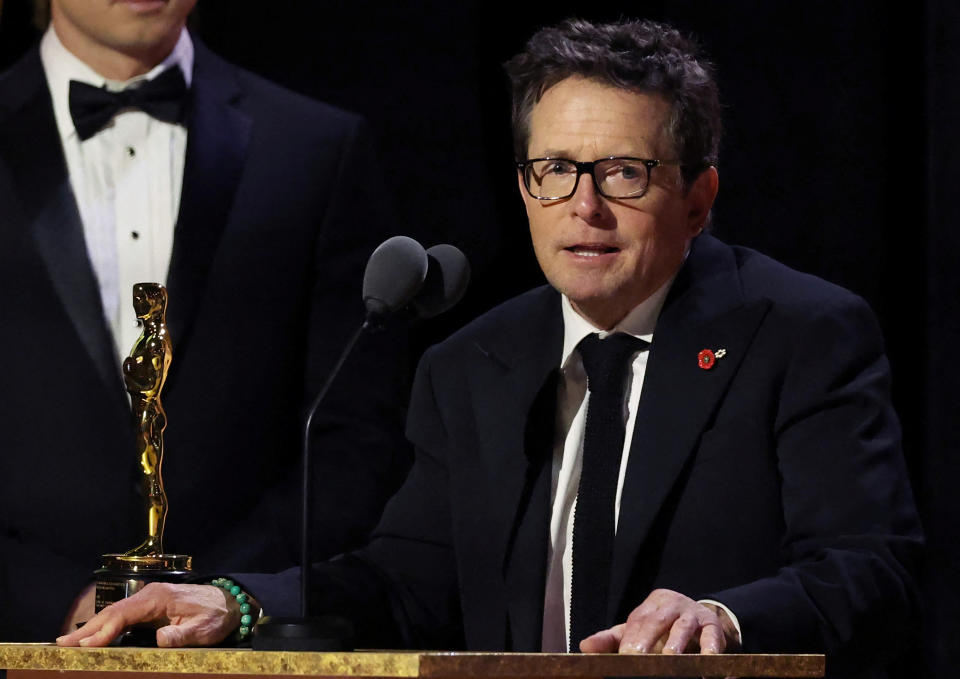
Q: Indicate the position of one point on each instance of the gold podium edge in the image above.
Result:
(36, 660)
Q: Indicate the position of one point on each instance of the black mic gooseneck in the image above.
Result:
(399, 275)
(305, 489)
(393, 276)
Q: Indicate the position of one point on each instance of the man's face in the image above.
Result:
(608, 255)
(136, 28)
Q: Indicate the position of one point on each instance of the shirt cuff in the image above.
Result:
(730, 614)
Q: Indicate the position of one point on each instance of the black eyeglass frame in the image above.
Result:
(585, 167)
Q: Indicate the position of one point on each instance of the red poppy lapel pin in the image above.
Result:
(707, 358)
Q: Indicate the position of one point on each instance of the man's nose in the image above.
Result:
(587, 201)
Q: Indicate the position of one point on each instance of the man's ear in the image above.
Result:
(700, 199)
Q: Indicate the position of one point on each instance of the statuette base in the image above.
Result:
(121, 576)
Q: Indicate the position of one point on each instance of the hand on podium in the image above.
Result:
(185, 615)
(668, 622)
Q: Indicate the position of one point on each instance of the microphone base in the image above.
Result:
(323, 633)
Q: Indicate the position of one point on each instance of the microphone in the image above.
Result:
(400, 276)
(395, 273)
(448, 273)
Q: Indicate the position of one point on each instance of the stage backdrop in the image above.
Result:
(839, 159)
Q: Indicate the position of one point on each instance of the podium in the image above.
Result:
(45, 661)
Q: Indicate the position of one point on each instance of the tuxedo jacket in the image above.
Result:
(772, 482)
(280, 210)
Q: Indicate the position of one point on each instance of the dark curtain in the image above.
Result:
(839, 159)
(936, 359)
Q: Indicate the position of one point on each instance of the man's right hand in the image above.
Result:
(186, 615)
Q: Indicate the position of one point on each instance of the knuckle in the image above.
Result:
(639, 614)
(708, 612)
(153, 588)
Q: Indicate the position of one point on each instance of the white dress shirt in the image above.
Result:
(127, 180)
(572, 399)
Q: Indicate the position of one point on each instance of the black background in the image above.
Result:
(839, 158)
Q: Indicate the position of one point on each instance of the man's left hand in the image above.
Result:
(667, 622)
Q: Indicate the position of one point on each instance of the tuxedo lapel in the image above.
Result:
(30, 145)
(704, 310)
(217, 137)
(516, 382)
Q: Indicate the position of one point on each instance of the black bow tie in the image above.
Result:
(93, 107)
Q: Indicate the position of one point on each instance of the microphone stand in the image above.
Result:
(305, 491)
(327, 632)
(397, 274)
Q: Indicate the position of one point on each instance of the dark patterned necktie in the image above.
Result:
(93, 107)
(607, 364)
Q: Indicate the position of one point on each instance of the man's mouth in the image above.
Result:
(591, 250)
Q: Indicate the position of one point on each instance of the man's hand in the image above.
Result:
(187, 615)
(667, 622)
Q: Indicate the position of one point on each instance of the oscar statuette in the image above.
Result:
(144, 372)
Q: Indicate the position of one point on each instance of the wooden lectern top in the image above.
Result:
(45, 661)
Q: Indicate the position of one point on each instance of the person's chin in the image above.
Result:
(591, 301)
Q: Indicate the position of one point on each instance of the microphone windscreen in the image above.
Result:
(448, 274)
(395, 273)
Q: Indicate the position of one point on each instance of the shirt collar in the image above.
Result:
(61, 66)
(640, 322)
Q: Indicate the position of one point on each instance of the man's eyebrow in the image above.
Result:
(632, 152)
(554, 153)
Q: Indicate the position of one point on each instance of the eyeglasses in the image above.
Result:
(614, 177)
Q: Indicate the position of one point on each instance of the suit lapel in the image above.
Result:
(704, 310)
(516, 382)
(30, 144)
(218, 133)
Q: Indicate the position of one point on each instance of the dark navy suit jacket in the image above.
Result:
(280, 209)
(773, 482)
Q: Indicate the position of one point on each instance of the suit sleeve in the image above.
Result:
(852, 534)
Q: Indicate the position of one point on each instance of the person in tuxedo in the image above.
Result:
(676, 445)
(131, 153)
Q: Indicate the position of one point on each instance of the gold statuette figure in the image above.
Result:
(144, 373)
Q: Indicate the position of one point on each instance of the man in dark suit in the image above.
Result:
(262, 253)
(760, 500)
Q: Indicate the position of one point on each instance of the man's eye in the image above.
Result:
(623, 171)
(557, 168)
(628, 172)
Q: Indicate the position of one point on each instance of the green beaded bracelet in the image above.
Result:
(234, 590)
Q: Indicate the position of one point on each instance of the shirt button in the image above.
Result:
(131, 151)
(135, 235)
